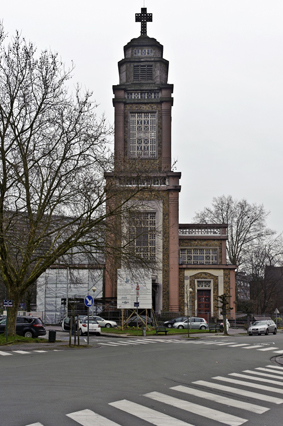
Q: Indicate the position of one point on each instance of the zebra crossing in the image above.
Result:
(147, 341)
(20, 352)
(270, 348)
(190, 401)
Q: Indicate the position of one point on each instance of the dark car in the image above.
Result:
(142, 321)
(26, 326)
(170, 323)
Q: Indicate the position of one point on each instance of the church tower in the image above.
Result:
(143, 104)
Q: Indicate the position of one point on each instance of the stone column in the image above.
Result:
(173, 251)
(119, 130)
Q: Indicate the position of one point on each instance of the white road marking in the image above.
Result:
(275, 367)
(89, 418)
(222, 399)
(278, 352)
(148, 414)
(201, 410)
(2, 353)
(35, 424)
(21, 352)
(249, 384)
(253, 347)
(40, 351)
(109, 344)
(258, 373)
(240, 344)
(270, 348)
(269, 370)
(242, 392)
(259, 379)
(224, 343)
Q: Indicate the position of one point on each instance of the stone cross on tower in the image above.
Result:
(143, 17)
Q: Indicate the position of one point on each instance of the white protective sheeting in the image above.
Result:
(57, 284)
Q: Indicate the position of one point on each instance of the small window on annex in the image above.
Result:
(199, 256)
(142, 234)
(143, 135)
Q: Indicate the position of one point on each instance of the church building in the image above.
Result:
(192, 267)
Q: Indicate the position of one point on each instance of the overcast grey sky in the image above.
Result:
(226, 65)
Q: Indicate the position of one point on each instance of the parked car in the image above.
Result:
(262, 327)
(67, 321)
(193, 322)
(172, 321)
(94, 327)
(103, 322)
(26, 326)
(142, 320)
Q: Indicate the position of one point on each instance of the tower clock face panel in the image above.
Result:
(143, 134)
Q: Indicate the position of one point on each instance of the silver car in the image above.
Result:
(104, 322)
(195, 322)
(262, 327)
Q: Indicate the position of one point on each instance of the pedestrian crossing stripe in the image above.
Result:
(275, 367)
(259, 373)
(210, 413)
(249, 384)
(260, 379)
(148, 414)
(238, 391)
(36, 424)
(89, 418)
(257, 409)
(270, 369)
(237, 345)
(5, 353)
(270, 348)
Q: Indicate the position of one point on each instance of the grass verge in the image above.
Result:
(12, 340)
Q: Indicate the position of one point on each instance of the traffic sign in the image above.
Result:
(7, 303)
(136, 304)
(88, 301)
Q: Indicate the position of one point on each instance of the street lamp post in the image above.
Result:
(93, 290)
(190, 290)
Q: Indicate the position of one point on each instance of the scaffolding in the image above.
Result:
(57, 285)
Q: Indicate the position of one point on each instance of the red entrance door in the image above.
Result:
(204, 304)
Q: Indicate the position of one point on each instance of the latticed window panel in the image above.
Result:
(199, 256)
(143, 128)
(143, 52)
(143, 72)
(143, 95)
(142, 235)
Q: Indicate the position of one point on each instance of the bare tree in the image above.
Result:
(54, 154)
(246, 225)
(266, 271)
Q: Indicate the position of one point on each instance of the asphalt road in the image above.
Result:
(133, 382)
